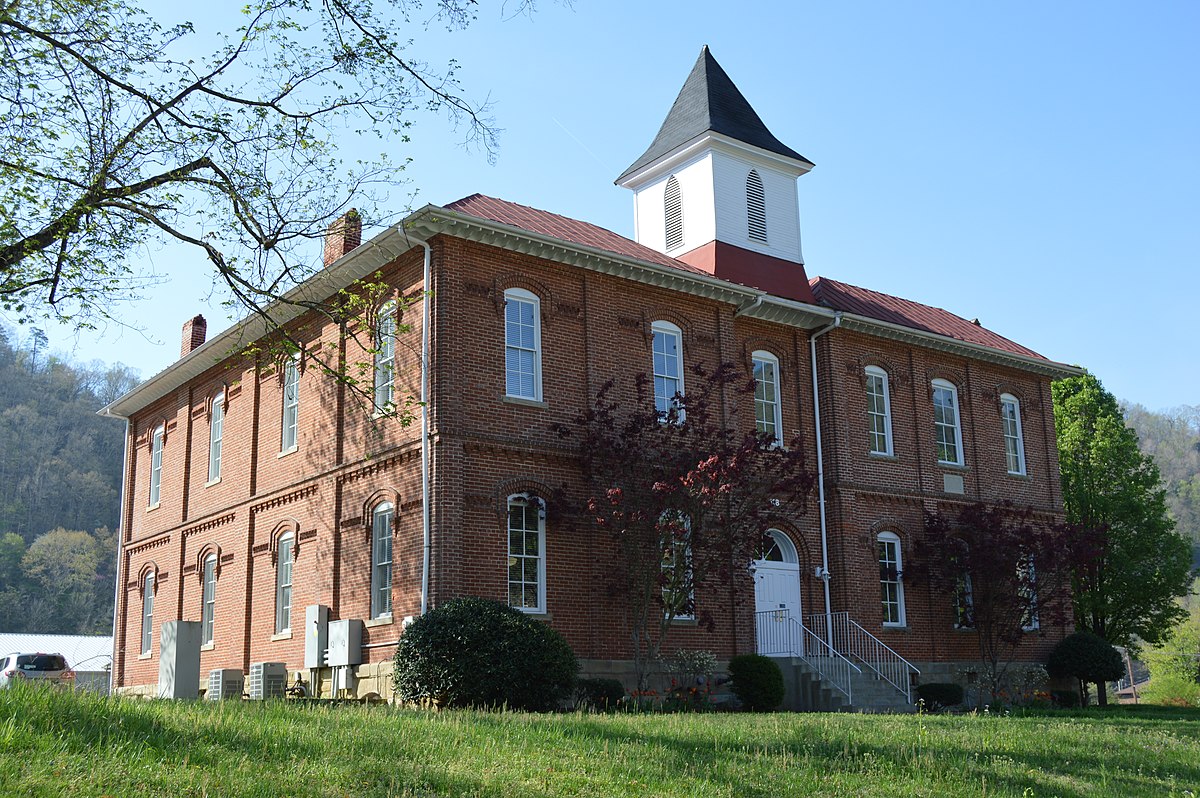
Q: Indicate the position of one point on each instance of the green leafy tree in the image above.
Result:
(1088, 658)
(1126, 592)
(1175, 663)
(64, 571)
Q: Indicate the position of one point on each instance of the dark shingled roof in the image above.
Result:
(710, 101)
(906, 313)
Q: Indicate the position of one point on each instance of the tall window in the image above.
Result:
(767, 416)
(668, 365)
(291, 404)
(208, 600)
(526, 554)
(522, 344)
(385, 356)
(756, 208)
(1014, 444)
(156, 464)
(673, 213)
(148, 613)
(891, 574)
(879, 412)
(675, 530)
(948, 437)
(216, 428)
(381, 560)
(964, 603)
(283, 583)
(1027, 587)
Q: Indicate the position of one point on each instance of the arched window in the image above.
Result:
(208, 600)
(947, 429)
(147, 612)
(891, 576)
(673, 214)
(1014, 442)
(756, 208)
(522, 344)
(156, 463)
(285, 557)
(668, 365)
(879, 412)
(768, 417)
(385, 356)
(777, 547)
(381, 560)
(216, 429)
(291, 404)
(526, 553)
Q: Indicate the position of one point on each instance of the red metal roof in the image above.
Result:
(555, 226)
(893, 309)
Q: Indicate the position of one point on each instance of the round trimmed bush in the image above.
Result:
(756, 681)
(1086, 656)
(472, 652)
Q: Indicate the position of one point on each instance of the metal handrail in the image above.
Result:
(782, 635)
(847, 636)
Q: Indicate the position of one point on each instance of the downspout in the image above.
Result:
(426, 510)
(758, 300)
(823, 573)
(112, 667)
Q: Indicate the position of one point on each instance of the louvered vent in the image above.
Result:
(756, 208)
(674, 215)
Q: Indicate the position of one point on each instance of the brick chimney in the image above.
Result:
(194, 332)
(343, 235)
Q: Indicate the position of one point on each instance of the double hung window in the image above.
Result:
(147, 612)
(891, 574)
(156, 464)
(385, 357)
(381, 560)
(526, 553)
(208, 600)
(1014, 444)
(522, 345)
(668, 365)
(879, 412)
(947, 429)
(283, 583)
(291, 404)
(216, 429)
(767, 415)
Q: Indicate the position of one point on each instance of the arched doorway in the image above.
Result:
(777, 597)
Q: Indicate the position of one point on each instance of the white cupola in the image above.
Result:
(718, 191)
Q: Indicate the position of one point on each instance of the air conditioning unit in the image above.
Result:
(225, 683)
(268, 680)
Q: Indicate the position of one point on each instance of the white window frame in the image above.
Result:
(672, 215)
(893, 558)
(519, 558)
(289, 438)
(157, 445)
(756, 207)
(208, 600)
(670, 562)
(148, 612)
(515, 346)
(382, 548)
(216, 431)
(385, 357)
(876, 376)
(285, 561)
(946, 388)
(1031, 622)
(661, 331)
(1014, 440)
(771, 406)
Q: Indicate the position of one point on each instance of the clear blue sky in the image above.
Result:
(1035, 165)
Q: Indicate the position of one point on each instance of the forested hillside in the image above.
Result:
(1172, 438)
(60, 478)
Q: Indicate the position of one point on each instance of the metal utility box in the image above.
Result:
(345, 643)
(225, 683)
(179, 660)
(316, 635)
(268, 680)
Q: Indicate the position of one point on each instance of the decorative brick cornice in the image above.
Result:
(212, 523)
(287, 498)
(147, 545)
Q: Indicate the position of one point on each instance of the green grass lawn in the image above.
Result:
(54, 743)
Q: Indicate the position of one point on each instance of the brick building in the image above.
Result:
(254, 489)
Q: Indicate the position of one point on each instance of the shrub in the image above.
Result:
(480, 653)
(1172, 689)
(1088, 657)
(938, 695)
(1067, 699)
(756, 681)
(599, 694)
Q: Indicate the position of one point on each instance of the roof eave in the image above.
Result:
(636, 176)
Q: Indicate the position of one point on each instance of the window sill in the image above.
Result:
(286, 635)
(1015, 475)
(208, 647)
(952, 466)
(153, 507)
(383, 620)
(145, 655)
(684, 622)
(212, 482)
(896, 627)
(524, 402)
(540, 615)
(882, 456)
(286, 452)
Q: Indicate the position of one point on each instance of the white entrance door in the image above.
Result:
(777, 597)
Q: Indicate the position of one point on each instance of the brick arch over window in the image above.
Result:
(221, 391)
(803, 553)
(955, 378)
(888, 523)
(285, 527)
(518, 280)
(148, 568)
(206, 551)
(858, 367)
(388, 494)
(517, 486)
(660, 313)
(1029, 401)
(780, 350)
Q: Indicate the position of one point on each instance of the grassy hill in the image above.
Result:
(58, 744)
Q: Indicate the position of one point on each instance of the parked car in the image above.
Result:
(48, 668)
